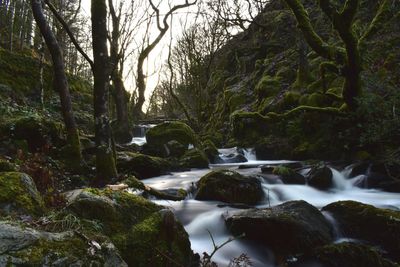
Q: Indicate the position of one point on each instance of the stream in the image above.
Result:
(203, 217)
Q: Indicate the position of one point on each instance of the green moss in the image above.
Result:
(6, 166)
(18, 193)
(194, 158)
(210, 149)
(283, 171)
(142, 166)
(168, 131)
(268, 86)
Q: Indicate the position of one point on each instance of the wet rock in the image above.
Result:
(229, 186)
(271, 148)
(366, 222)
(194, 158)
(320, 177)
(18, 194)
(230, 158)
(288, 175)
(175, 149)
(142, 166)
(345, 255)
(211, 150)
(24, 246)
(289, 228)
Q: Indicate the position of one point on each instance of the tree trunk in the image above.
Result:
(60, 84)
(105, 156)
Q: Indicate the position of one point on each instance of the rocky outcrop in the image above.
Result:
(142, 166)
(289, 228)
(229, 186)
(18, 194)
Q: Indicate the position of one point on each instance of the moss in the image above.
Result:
(6, 166)
(168, 131)
(235, 100)
(194, 158)
(18, 193)
(268, 86)
(210, 149)
(282, 171)
(351, 255)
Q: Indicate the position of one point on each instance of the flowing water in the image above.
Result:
(203, 217)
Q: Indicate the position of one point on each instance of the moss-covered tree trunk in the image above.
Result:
(105, 161)
(342, 22)
(60, 85)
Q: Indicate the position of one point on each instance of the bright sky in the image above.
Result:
(159, 55)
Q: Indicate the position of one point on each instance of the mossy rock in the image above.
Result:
(230, 187)
(268, 86)
(194, 158)
(140, 229)
(159, 240)
(290, 228)
(18, 194)
(272, 147)
(142, 166)
(345, 254)
(6, 166)
(24, 246)
(176, 149)
(37, 131)
(378, 226)
(161, 134)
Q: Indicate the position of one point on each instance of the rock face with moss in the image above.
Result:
(145, 233)
(23, 246)
(18, 194)
(345, 254)
(194, 158)
(289, 228)
(320, 177)
(159, 136)
(142, 166)
(378, 226)
(229, 186)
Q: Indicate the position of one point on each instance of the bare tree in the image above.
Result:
(60, 83)
(162, 26)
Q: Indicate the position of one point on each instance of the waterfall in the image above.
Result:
(340, 180)
(250, 154)
(337, 234)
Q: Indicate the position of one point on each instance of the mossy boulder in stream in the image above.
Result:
(18, 194)
(289, 228)
(161, 134)
(142, 166)
(24, 246)
(229, 186)
(145, 233)
(288, 175)
(194, 158)
(366, 222)
(345, 254)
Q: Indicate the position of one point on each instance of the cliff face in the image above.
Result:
(270, 68)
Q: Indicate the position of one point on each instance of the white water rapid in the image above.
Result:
(198, 217)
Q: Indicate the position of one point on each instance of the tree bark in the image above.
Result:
(60, 84)
(106, 169)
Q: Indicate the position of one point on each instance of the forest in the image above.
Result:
(200, 133)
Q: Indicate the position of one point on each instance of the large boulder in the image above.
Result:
(229, 186)
(320, 177)
(143, 231)
(24, 246)
(142, 166)
(290, 228)
(194, 158)
(18, 194)
(345, 255)
(366, 222)
(161, 134)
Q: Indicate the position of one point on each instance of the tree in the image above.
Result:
(349, 56)
(105, 152)
(162, 26)
(60, 83)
